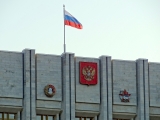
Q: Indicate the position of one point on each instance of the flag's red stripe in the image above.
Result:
(72, 19)
(73, 24)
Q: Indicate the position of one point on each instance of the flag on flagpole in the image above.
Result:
(71, 21)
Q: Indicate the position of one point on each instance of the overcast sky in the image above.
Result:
(123, 29)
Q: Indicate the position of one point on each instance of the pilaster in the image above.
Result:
(109, 87)
(29, 110)
(68, 81)
(103, 89)
(95, 118)
(56, 117)
(106, 88)
(33, 93)
(26, 85)
(146, 90)
(140, 91)
(18, 115)
(72, 85)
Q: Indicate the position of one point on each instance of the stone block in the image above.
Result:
(124, 77)
(11, 74)
(154, 84)
(85, 93)
(48, 69)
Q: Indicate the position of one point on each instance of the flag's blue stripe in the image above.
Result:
(72, 19)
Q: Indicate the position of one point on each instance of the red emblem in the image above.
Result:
(124, 96)
(49, 90)
(88, 73)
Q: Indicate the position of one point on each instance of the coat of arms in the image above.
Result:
(88, 73)
(124, 96)
(49, 90)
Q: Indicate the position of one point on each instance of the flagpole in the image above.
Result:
(64, 28)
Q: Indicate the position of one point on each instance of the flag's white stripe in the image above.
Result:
(67, 13)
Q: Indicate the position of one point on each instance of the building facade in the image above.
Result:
(66, 87)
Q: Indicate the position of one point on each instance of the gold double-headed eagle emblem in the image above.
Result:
(88, 73)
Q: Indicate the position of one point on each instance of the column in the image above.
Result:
(72, 85)
(140, 90)
(29, 100)
(33, 89)
(95, 118)
(106, 88)
(109, 87)
(66, 77)
(56, 117)
(26, 85)
(103, 86)
(146, 90)
(18, 115)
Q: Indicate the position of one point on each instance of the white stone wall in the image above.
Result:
(48, 72)
(85, 93)
(124, 77)
(11, 74)
(28, 73)
(154, 84)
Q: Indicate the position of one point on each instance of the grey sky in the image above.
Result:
(123, 29)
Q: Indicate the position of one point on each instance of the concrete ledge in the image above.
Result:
(86, 113)
(124, 115)
(158, 115)
(154, 111)
(155, 117)
(124, 108)
(11, 102)
(48, 104)
(10, 109)
(45, 111)
(7, 51)
(87, 107)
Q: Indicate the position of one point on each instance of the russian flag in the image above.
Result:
(71, 21)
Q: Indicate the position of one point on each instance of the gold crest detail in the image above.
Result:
(88, 73)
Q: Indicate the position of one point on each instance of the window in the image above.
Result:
(45, 117)
(119, 119)
(83, 118)
(7, 116)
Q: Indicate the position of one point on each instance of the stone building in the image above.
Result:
(66, 87)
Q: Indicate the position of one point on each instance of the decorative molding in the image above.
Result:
(49, 90)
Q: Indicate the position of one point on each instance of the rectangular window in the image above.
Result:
(120, 119)
(7, 116)
(83, 118)
(44, 117)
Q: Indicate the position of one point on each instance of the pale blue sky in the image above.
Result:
(123, 29)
